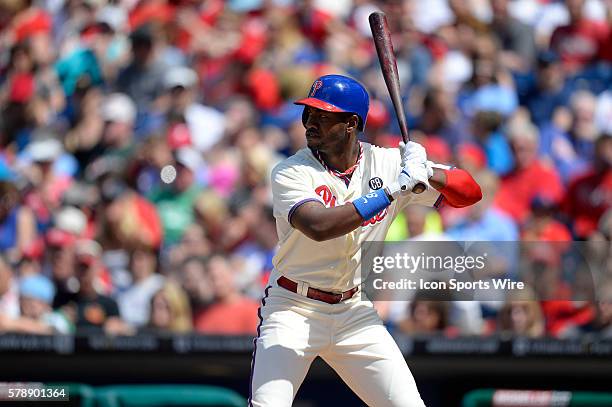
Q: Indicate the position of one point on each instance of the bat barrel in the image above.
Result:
(388, 64)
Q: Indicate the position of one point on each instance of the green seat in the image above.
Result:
(478, 398)
(167, 395)
(591, 399)
(82, 395)
(484, 398)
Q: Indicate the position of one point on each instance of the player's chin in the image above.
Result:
(313, 142)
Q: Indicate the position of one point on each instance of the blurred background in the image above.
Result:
(136, 143)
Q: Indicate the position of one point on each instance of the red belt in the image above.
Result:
(330, 298)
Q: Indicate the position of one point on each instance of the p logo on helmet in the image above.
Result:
(337, 93)
(315, 87)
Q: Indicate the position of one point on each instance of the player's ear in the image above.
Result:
(353, 123)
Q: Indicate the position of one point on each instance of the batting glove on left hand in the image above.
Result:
(410, 175)
(412, 153)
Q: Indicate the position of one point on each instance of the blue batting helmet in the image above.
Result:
(337, 93)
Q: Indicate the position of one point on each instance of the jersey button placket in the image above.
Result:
(351, 238)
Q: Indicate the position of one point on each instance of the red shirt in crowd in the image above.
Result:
(31, 22)
(588, 198)
(606, 52)
(561, 315)
(551, 231)
(519, 187)
(233, 318)
(580, 43)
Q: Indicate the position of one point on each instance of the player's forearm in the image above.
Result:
(457, 186)
(320, 223)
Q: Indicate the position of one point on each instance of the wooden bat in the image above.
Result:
(388, 64)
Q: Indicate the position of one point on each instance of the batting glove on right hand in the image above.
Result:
(412, 153)
(410, 175)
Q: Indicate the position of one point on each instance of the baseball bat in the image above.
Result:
(388, 64)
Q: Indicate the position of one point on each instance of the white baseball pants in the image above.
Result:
(349, 336)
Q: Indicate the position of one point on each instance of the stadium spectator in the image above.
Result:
(196, 283)
(529, 176)
(194, 243)
(93, 311)
(516, 38)
(142, 79)
(428, 314)
(170, 310)
(259, 231)
(117, 143)
(542, 224)
(134, 303)
(61, 255)
(583, 131)
(545, 89)
(175, 201)
(440, 117)
(231, 313)
(130, 221)
(542, 268)
(590, 194)
(491, 89)
(19, 87)
(48, 184)
(565, 318)
(603, 112)
(598, 240)
(421, 223)
(78, 67)
(205, 125)
(17, 223)
(471, 157)
(36, 297)
(102, 136)
(602, 323)
(482, 221)
(521, 315)
(9, 292)
(581, 41)
(212, 213)
(89, 252)
(486, 127)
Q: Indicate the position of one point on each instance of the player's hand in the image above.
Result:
(410, 175)
(412, 153)
(429, 166)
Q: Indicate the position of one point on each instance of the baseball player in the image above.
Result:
(328, 199)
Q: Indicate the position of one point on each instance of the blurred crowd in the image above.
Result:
(137, 139)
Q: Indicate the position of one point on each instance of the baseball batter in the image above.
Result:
(328, 199)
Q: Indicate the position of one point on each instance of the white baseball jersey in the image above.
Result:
(333, 265)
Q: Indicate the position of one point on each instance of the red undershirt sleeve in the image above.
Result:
(461, 189)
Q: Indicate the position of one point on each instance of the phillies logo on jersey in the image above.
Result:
(329, 200)
(315, 87)
(378, 218)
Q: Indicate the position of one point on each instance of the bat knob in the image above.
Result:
(419, 188)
